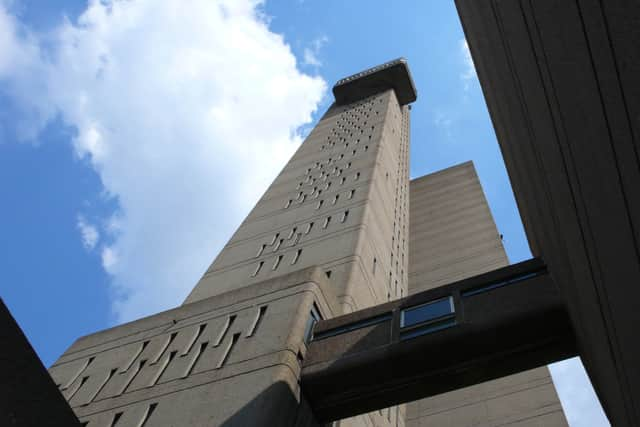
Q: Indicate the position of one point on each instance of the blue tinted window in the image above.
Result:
(426, 312)
(428, 328)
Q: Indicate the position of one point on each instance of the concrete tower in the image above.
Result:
(330, 236)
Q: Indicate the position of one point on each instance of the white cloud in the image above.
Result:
(579, 401)
(88, 233)
(310, 55)
(468, 74)
(186, 111)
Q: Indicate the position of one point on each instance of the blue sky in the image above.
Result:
(121, 122)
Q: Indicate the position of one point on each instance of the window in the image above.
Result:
(254, 326)
(326, 222)
(375, 262)
(353, 326)
(314, 317)
(296, 256)
(309, 227)
(335, 199)
(319, 205)
(345, 215)
(427, 318)
(277, 262)
(258, 268)
(351, 193)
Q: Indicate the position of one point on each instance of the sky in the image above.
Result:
(121, 123)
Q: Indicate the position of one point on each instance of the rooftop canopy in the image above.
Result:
(390, 75)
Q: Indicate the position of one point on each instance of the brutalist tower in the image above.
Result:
(330, 236)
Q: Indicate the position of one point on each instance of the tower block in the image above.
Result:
(328, 237)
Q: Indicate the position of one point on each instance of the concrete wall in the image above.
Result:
(453, 236)
(230, 360)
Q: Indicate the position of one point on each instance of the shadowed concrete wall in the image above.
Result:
(452, 237)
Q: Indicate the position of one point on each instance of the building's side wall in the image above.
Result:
(230, 360)
(453, 236)
(352, 172)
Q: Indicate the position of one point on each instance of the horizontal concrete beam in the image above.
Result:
(489, 326)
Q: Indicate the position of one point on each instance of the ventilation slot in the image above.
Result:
(164, 348)
(163, 368)
(258, 268)
(227, 352)
(81, 370)
(225, 329)
(133, 375)
(277, 262)
(116, 418)
(257, 321)
(104, 383)
(296, 256)
(193, 340)
(195, 359)
(147, 415)
(82, 382)
(326, 222)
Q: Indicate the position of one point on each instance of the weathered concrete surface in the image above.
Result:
(453, 236)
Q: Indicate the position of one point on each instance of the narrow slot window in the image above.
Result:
(357, 176)
(277, 246)
(147, 414)
(258, 268)
(225, 329)
(292, 232)
(166, 345)
(133, 375)
(81, 370)
(345, 215)
(193, 339)
(319, 205)
(104, 383)
(296, 256)
(309, 227)
(277, 262)
(314, 317)
(327, 220)
(286, 205)
(227, 353)
(257, 320)
(116, 418)
(274, 238)
(195, 359)
(262, 248)
(373, 269)
(163, 368)
(82, 382)
(335, 199)
(351, 193)
(297, 239)
(342, 180)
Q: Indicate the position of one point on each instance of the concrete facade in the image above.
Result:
(453, 236)
(330, 236)
(339, 209)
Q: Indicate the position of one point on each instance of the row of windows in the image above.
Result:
(414, 321)
(162, 359)
(277, 262)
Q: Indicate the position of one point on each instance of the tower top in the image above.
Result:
(390, 75)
